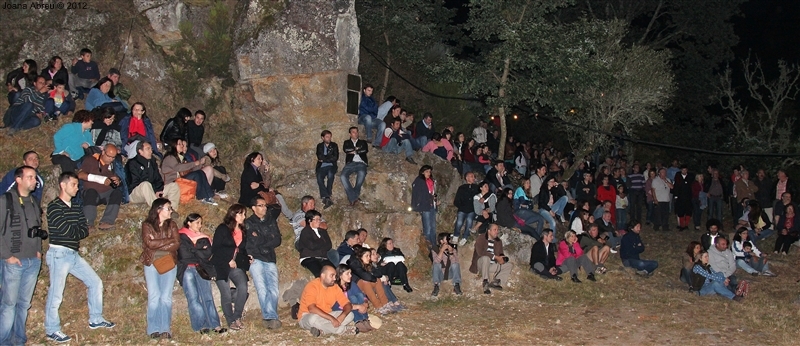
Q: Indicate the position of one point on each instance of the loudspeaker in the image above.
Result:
(353, 93)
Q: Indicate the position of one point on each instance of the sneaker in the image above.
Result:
(59, 337)
(364, 326)
(209, 201)
(575, 279)
(315, 332)
(462, 241)
(408, 288)
(351, 330)
(410, 160)
(166, 335)
(457, 289)
(435, 291)
(754, 273)
(222, 195)
(272, 324)
(104, 324)
(454, 240)
(486, 287)
(496, 285)
(590, 277)
(613, 251)
(642, 272)
(769, 273)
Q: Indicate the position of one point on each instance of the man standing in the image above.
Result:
(30, 159)
(637, 193)
(21, 252)
(489, 261)
(661, 197)
(263, 238)
(327, 156)
(466, 212)
(100, 187)
(316, 306)
(683, 197)
(716, 195)
(68, 226)
(744, 189)
(355, 161)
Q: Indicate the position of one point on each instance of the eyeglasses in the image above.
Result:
(170, 208)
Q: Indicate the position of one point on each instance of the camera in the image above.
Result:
(37, 232)
(114, 184)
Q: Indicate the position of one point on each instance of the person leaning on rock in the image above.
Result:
(489, 261)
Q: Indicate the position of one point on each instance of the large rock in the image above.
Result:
(165, 17)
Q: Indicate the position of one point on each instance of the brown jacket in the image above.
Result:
(745, 189)
(482, 249)
(167, 240)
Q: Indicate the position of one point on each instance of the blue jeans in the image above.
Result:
(18, 285)
(715, 287)
(622, 218)
(557, 208)
(765, 233)
(63, 261)
(203, 187)
(429, 225)
(389, 294)
(648, 266)
(159, 299)
(461, 218)
(453, 274)
(265, 279)
(758, 266)
(715, 208)
(202, 311)
(50, 108)
(355, 296)
(530, 217)
(380, 126)
(353, 191)
(404, 147)
(22, 117)
(370, 123)
(325, 189)
(420, 142)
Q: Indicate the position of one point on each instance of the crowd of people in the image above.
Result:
(110, 155)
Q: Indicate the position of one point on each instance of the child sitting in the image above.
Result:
(59, 102)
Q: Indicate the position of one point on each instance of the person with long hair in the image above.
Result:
(195, 273)
(176, 127)
(175, 165)
(101, 95)
(571, 257)
(220, 173)
(484, 203)
(748, 257)
(137, 126)
(423, 201)
(445, 264)
(371, 285)
(756, 221)
(687, 258)
(55, 70)
(229, 256)
(20, 78)
(344, 278)
(160, 238)
(251, 183)
(706, 281)
(788, 225)
(395, 267)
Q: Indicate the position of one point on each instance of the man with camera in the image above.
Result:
(445, 264)
(489, 261)
(100, 187)
(68, 226)
(21, 252)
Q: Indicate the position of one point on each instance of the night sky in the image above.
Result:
(770, 29)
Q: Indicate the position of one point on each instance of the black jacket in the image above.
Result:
(544, 196)
(195, 134)
(332, 157)
(463, 199)
(16, 75)
(705, 241)
(491, 178)
(359, 273)
(361, 148)
(310, 246)
(264, 236)
(505, 213)
(421, 199)
(249, 175)
(174, 129)
(198, 254)
(61, 74)
(139, 170)
(538, 255)
(223, 249)
(422, 130)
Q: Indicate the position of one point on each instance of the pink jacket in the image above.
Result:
(431, 146)
(563, 251)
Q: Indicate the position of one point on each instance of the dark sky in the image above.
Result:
(770, 29)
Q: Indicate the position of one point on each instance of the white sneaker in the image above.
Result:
(462, 241)
(210, 201)
(454, 240)
(222, 195)
(613, 251)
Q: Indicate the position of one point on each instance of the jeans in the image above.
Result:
(648, 266)
(765, 233)
(758, 266)
(420, 142)
(715, 207)
(265, 279)
(637, 200)
(18, 285)
(203, 187)
(530, 217)
(202, 311)
(650, 208)
(466, 220)
(622, 218)
(380, 126)
(50, 108)
(715, 287)
(429, 225)
(21, 117)
(353, 191)
(63, 261)
(355, 296)
(387, 290)
(119, 170)
(226, 297)
(370, 123)
(325, 189)
(557, 208)
(394, 148)
(453, 274)
(159, 299)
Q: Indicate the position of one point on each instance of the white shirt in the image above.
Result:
(356, 157)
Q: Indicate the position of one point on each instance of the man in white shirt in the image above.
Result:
(661, 187)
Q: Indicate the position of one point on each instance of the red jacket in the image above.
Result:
(563, 251)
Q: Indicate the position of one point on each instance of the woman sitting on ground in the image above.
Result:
(344, 277)
(788, 225)
(175, 165)
(231, 264)
(749, 258)
(195, 273)
(371, 285)
(756, 221)
(395, 267)
(706, 281)
(571, 257)
(439, 146)
(378, 266)
(138, 127)
(213, 161)
(688, 260)
(102, 95)
(595, 246)
(55, 70)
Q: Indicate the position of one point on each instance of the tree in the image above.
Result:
(767, 128)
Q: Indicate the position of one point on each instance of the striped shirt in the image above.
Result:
(490, 249)
(636, 180)
(67, 224)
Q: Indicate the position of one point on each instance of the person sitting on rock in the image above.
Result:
(101, 96)
(496, 177)
(251, 183)
(314, 244)
(316, 306)
(368, 112)
(106, 131)
(356, 162)
(55, 70)
(195, 130)
(298, 220)
(59, 101)
(345, 249)
(100, 186)
(28, 110)
(118, 89)
(368, 282)
(396, 140)
(362, 237)
(84, 73)
(489, 261)
(395, 266)
(30, 159)
(72, 140)
(387, 112)
(543, 257)
(138, 127)
(144, 179)
(424, 130)
(212, 161)
(175, 166)
(175, 128)
(445, 264)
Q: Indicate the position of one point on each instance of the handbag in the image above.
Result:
(164, 263)
(202, 272)
(188, 189)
